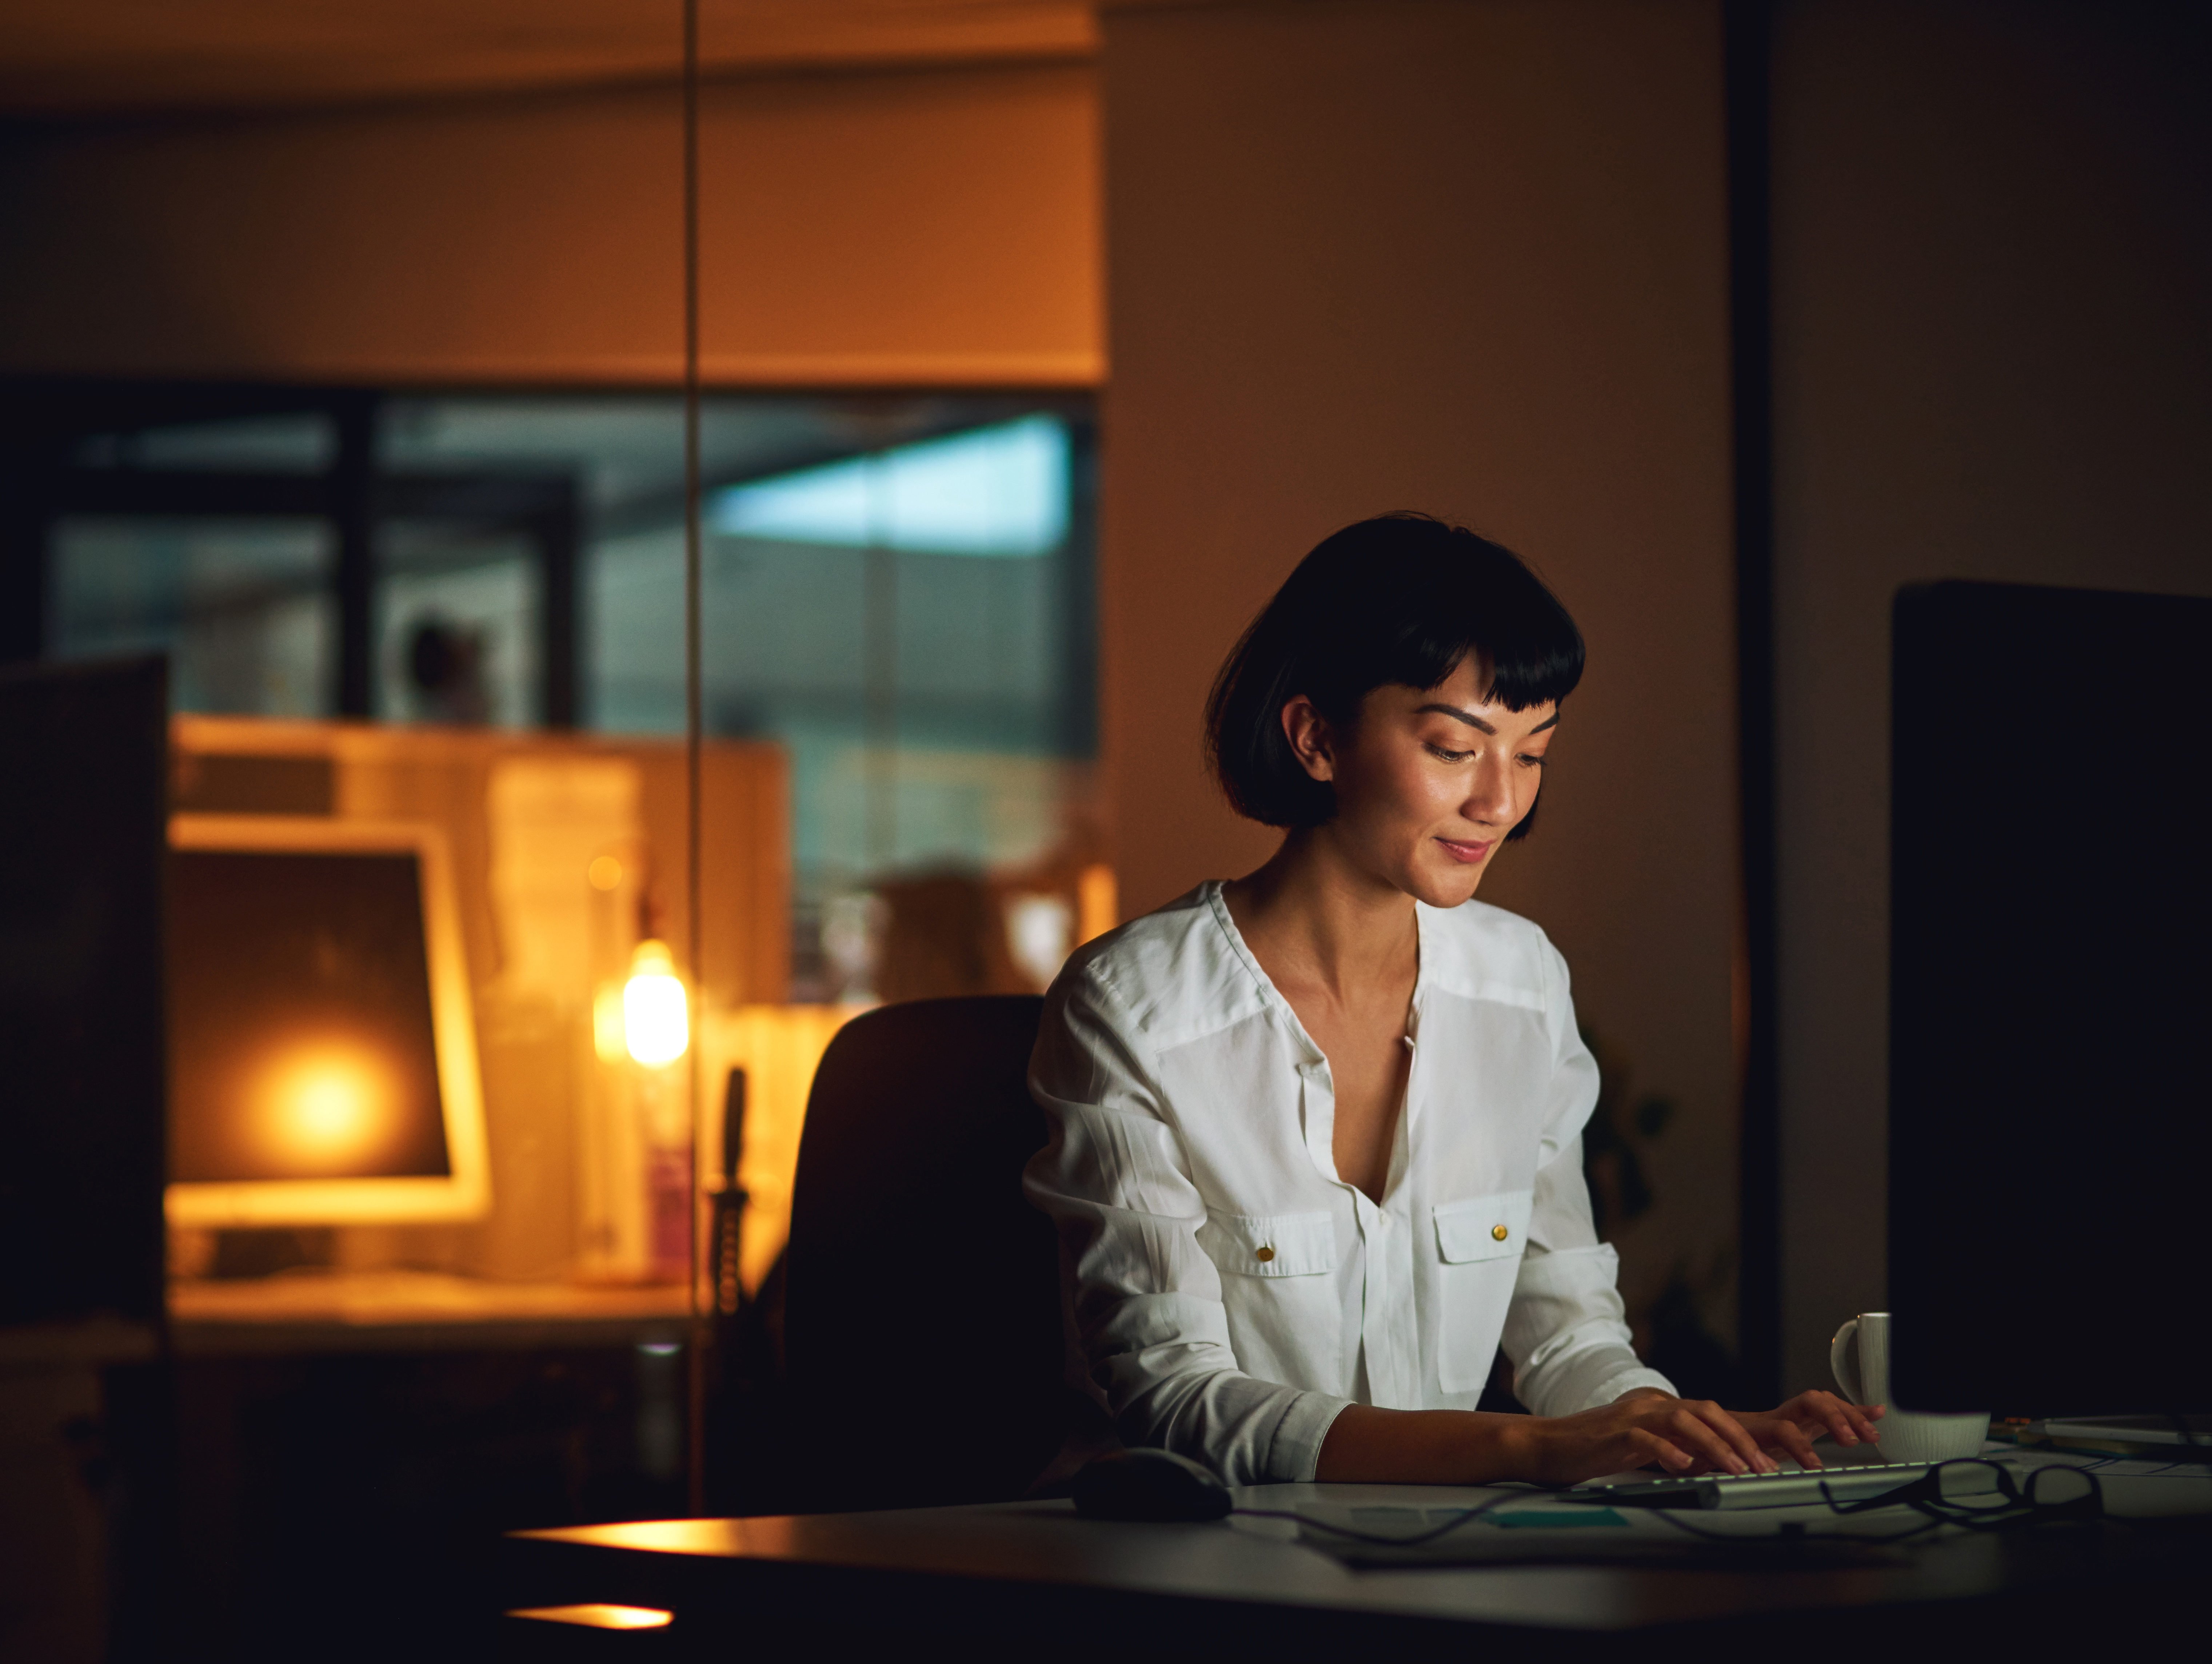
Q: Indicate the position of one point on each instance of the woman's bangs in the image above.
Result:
(1526, 647)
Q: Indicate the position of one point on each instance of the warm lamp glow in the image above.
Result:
(323, 1103)
(607, 1024)
(656, 1016)
(1098, 905)
(329, 1107)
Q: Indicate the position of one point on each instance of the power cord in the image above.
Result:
(2017, 1506)
(1464, 1516)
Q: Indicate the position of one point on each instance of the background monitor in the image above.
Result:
(322, 1057)
(83, 758)
(2050, 987)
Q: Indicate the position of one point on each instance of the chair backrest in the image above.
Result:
(921, 1322)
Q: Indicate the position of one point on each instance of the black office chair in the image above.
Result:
(921, 1325)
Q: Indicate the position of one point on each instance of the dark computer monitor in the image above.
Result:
(83, 763)
(2050, 1001)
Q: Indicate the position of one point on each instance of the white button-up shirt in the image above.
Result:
(1230, 1294)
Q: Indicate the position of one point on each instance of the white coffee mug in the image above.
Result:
(1906, 1435)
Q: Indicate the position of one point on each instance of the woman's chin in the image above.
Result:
(1447, 888)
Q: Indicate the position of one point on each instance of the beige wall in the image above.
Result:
(1468, 259)
(1993, 247)
(925, 226)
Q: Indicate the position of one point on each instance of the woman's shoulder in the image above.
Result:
(1173, 972)
(1486, 953)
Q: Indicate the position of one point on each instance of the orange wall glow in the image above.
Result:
(928, 226)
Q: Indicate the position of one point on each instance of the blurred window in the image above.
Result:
(457, 625)
(304, 441)
(1001, 490)
(897, 589)
(242, 607)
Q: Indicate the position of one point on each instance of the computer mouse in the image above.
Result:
(1148, 1485)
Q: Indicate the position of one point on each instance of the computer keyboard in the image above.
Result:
(1789, 1487)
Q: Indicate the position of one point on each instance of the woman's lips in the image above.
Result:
(1469, 854)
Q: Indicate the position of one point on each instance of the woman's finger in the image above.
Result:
(1859, 1421)
(1792, 1437)
(1737, 1434)
(1832, 1415)
(1690, 1430)
(1826, 1412)
(1653, 1446)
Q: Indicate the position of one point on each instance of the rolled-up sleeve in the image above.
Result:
(1567, 1332)
(1144, 1298)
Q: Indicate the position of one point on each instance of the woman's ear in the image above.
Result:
(1307, 730)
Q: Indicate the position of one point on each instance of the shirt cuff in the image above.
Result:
(1617, 1386)
(1294, 1452)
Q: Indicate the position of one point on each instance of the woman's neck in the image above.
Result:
(1311, 916)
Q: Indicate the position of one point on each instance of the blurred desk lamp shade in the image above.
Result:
(322, 1055)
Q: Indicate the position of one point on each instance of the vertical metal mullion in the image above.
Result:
(25, 527)
(1078, 600)
(880, 613)
(353, 512)
(1747, 71)
(560, 540)
(702, 1334)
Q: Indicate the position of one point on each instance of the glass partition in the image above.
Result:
(486, 591)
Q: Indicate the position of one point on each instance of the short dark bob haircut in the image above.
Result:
(1399, 599)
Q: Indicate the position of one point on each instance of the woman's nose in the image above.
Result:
(1489, 793)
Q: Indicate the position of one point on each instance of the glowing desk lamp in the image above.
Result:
(322, 1055)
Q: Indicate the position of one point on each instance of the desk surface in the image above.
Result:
(406, 1311)
(1024, 1562)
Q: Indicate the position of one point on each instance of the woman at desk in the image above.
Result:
(1315, 1143)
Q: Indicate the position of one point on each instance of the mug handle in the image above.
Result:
(1839, 1361)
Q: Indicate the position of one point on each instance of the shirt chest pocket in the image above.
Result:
(1479, 1242)
(1486, 1228)
(1272, 1245)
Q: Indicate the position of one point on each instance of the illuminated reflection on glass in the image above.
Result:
(322, 1104)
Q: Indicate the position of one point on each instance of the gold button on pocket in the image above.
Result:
(1269, 1247)
(1498, 1233)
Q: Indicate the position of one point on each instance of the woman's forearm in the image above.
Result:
(1425, 1447)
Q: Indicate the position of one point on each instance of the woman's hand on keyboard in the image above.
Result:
(1643, 1429)
(1792, 1427)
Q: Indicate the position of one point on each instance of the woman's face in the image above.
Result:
(1429, 781)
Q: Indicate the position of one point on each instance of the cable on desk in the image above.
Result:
(1925, 1496)
(1463, 1517)
(1782, 1534)
(2104, 1462)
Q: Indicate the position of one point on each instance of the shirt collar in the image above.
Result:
(1424, 964)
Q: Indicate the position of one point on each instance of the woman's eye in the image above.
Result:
(1530, 759)
(1449, 756)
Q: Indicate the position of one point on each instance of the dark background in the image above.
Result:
(83, 757)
